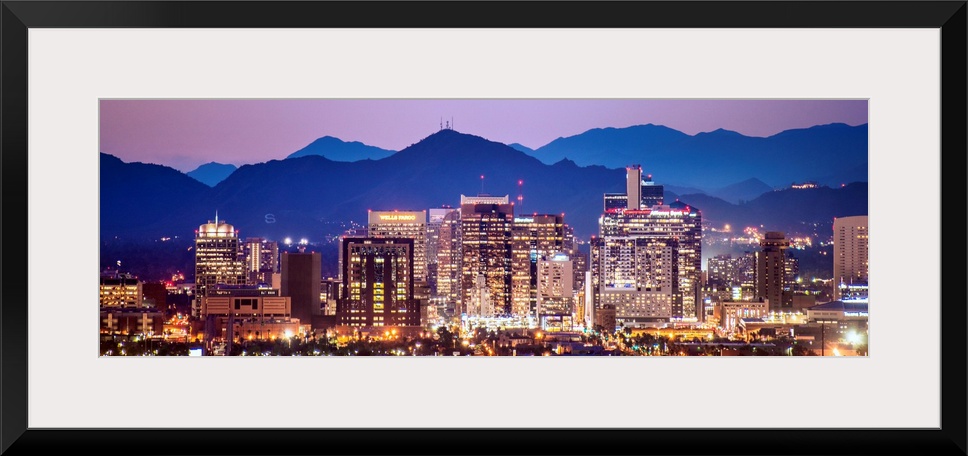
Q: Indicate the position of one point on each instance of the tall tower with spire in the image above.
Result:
(218, 259)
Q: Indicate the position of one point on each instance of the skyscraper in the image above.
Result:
(850, 252)
(640, 192)
(409, 225)
(378, 283)
(635, 277)
(486, 246)
(615, 201)
(555, 292)
(533, 237)
(652, 194)
(301, 276)
(261, 260)
(771, 270)
(676, 225)
(435, 222)
(217, 259)
(449, 258)
(404, 224)
(633, 186)
(352, 232)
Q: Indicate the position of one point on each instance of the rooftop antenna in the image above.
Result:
(216, 218)
(482, 184)
(520, 193)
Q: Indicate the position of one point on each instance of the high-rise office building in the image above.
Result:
(403, 224)
(555, 292)
(352, 232)
(486, 245)
(850, 252)
(651, 193)
(261, 260)
(435, 222)
(771, 271)
(449, 258)
(378, 283)
(218, 259)
(661, 227)
(533, 237)
(579, 258)
(301, 277)
(791, 269)
(640, 192)
(675, 224)
(633, 187)
(635, 278)
(721, 271)
(615, 201)
(409, 225)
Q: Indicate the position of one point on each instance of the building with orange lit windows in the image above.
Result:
(533, 237)
(486, 245)
(378, 283)
(120, 290)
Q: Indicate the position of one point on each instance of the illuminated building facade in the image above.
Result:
(640, 192)
(378, 283)
(449, 258)
(636, 278)
(533, 237)
(721, 271)
(676, 225)
(486, 249)
(126, 321)
(730, 313)
(615, 201)
(660, 227)
(651, 193)
(401, 224)
(261, 260)
(850, 251)
(555, 292)
(121, 290)
(246, 302)
(218, 259)
(248, 312)
(435, 223)
(352, 232)
(771, 271)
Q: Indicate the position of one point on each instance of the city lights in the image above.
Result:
(726, 250)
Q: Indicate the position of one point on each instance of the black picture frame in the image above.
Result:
(18, 16)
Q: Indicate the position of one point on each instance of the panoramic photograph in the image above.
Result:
(483, 227)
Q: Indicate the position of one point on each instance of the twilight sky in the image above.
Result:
(186, 133)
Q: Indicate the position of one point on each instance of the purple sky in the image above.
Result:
(186, 133)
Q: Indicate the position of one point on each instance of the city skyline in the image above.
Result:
(460, 245)
(184, 134)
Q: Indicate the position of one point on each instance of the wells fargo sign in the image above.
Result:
(377, 217)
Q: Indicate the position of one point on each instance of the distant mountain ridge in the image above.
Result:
(212, 173)
(720, 158)
(338, 150)
(311, 196)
